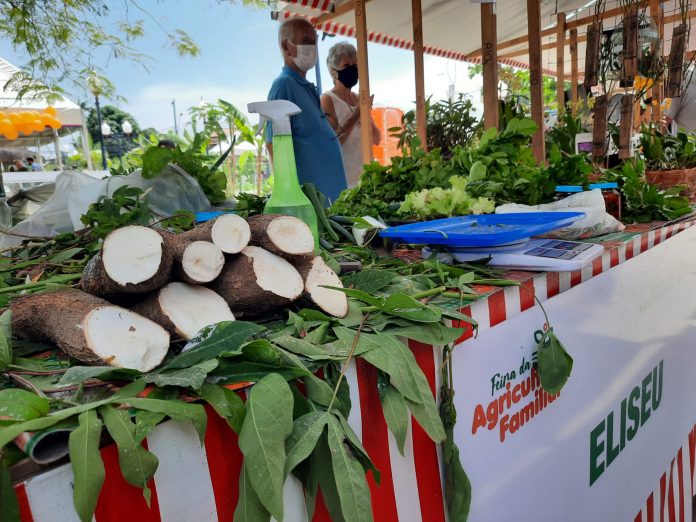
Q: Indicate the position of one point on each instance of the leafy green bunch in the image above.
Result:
(195, 160)
(662, 151)
(439, 202)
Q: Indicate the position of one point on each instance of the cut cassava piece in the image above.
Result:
(317, 275)
(185, 309)
(133, 260)
(258, 282)
(229, 232)
(91, 329)
(282, 235)
(195, 262)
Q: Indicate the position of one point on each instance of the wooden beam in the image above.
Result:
(560, 60)
(489, 61)
(656, 91)
(364, 75)
(574, 67)
(342, 9)
(545, 47)
(536, 85)
(417, 21)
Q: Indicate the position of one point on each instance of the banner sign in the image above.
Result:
(596, 450)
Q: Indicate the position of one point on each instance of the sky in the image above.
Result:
(239, 60)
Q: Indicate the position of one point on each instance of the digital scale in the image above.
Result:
(502, 239)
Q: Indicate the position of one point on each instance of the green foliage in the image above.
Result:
(439, 202)
(87, 464)
(553, 362)
(195, 160)
(114, 117)
(249, 204)
(662, 151)
(449, 123)
(562, 135)
(126, 206)
(643, 202)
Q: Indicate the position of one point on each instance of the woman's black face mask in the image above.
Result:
(348, 75)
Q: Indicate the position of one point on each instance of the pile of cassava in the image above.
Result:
(146, 285)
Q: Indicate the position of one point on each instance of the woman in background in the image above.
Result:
(342, 107)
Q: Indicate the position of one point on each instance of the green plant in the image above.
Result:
(126, 206)
(439, 202)
(663, 151)
(563, 134)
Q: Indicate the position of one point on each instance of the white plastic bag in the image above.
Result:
(595, 223)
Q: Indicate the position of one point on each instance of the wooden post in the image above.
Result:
(417, 20)
(536, 85)
(656, 14)
(574, 66)
(560, 61)
(364, 74)
(489, 60)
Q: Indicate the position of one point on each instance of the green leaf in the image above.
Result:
(21, 405)
(369, 280)
(236, 372)
(261, 351)
(87, 464)
(225, 402)
(65, 255)
(137, 464)
(268, 422)
(457, 484)
(79, 374)
(427, 416)
(227, 337)
(304, 348)
(359, 295)
(407, 307)
(351, 485)
(321, 474)
(396, 414)
(9, 506)
(357, 448)
(192, 377)
(5, 339)
(175, 409)
(304, 437)
(249, 507)
(435, 334)
(553, 362)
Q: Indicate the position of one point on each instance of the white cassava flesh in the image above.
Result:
(125, 339)
(274, 274)
(231, 233)
(333, 302)
(132, 254)
(291, 235)
(191, 308)
(202, 261)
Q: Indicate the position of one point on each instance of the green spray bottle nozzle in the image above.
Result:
(287, 196)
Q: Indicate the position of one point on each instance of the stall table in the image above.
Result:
(618, 443)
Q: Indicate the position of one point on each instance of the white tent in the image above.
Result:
(68, 112)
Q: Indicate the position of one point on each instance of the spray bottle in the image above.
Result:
(287, 196)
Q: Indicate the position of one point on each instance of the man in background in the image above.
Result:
(682, 112)
(317, 149)
(32, 165)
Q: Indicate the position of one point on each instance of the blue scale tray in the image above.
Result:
(481, 231)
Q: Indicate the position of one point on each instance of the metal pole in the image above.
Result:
(101, 136)
(176, 127)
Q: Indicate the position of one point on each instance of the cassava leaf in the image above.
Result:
(268, 422)
(192, 377)
(305, 433)
(87, 464)
(321, 474)
(457, 484)
(357, 448)
(261, 351)
(226, 403)
(359, 295)
(407, 307)
(5, 339)
(304, 348)
(435, 334)
(427, 416)
(21, 405)
(369, 280)
(235, 372)
(349, 475)
(78, 374)
(396, 414)
(65, 255)
(227, 336)
(137, 464)
(249, 507)
(554, 362)
(9, 506)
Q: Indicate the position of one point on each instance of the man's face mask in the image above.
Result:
(306, 57)
(348, 76)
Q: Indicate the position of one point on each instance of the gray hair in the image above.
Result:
(287, 29)
(337, 53)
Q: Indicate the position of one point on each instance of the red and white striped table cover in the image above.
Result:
(200, 483)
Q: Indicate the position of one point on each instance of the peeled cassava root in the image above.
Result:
(195, 262)
(317, 274)
(185, 309)
(229, 232)
(257, 282)
(282, 235)
(91, 329)
(133, 260)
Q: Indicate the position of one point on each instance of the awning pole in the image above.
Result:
(56, 146)
(656, 14)
(85, 143)
(536, 85)
(417, 19)
(560, 61)
(574, 67)
(364, 74)
(489, 60)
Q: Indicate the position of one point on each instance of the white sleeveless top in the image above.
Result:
(351, 149)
